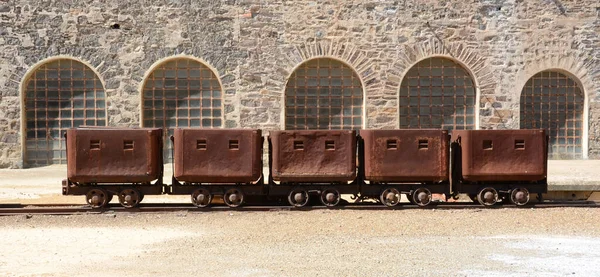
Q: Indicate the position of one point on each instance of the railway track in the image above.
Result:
(69, 209)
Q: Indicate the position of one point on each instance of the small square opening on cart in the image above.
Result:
(329, 145)
(298, 145)
(519, 144)
(234, 144)
(201, 144)
(128, 145)
(488, 144)
(94, 144)
(392, 144)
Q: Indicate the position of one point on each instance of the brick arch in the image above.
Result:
(552, 56)
(168, 59)
(445, 99)
(577, 64)
(58, 93)
(221, 65)
(475, 64)
(338, 50)
(324, 93)
(181, 91)
(554, 100)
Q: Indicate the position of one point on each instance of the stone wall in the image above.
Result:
(255, 45)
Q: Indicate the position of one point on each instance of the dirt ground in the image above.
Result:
(410, 242)
(413, 242)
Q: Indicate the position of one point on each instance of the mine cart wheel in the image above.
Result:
(97, 198)
(487, 196)
(298, 197)
(390, 197)
(421, 197)
(201, 198)
(233, 197)
(330, 197)
(130, 198)
(519, 196)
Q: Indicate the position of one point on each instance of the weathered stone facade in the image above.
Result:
(255, 45)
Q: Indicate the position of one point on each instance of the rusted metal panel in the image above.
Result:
(502, 155)
(406, 155)
(313, 156)
(218, 155)
(114, 155)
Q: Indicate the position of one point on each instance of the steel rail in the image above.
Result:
(69, 209)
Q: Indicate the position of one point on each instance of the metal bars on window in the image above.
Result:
(59, 95)
(553, 101)
(437, 93)
(181, 93)
(323, 94)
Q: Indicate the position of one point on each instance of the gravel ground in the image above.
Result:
(412, 242)
(498, 242)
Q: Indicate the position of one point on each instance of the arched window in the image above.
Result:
(324, 94)
(553, 101)
(59, 95)
(181, 93)
(437, 93)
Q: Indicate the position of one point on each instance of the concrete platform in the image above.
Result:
(571, 176)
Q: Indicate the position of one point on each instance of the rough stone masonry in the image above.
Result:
(255, 45)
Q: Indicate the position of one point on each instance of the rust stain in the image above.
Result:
(502, 155)
(114, 155)
(406, 155)
(218, 155)
(314, 156)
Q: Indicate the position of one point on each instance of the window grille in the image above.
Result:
(437, 93)
(181, 93)
(553, 101)
(323, 94)
(59, 95)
